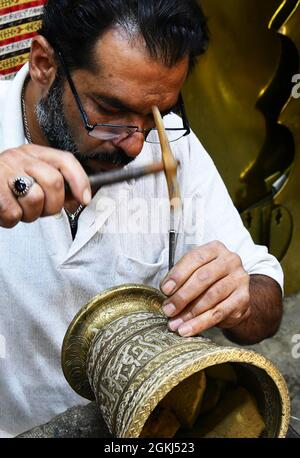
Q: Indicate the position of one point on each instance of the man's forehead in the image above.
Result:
(116, 39)
(116, 53)
(125, 73)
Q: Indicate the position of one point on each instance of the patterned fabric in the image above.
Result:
(19, 22)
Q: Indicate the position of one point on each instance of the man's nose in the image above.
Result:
(131, 145)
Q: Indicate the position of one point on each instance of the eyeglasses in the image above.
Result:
(121, 132)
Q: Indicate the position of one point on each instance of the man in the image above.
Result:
(94, 67)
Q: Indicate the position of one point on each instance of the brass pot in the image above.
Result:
(119, 350)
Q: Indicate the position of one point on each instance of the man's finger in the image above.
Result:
(212, 317)
(32, 204)
(68, 166)
(52, 183)
(217, 293)
(242, 314)
(199, 282)
(10, 211)
(188, 264)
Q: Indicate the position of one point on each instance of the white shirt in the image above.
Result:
(46, 277)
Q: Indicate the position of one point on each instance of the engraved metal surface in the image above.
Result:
(104, 308)
(119, 347)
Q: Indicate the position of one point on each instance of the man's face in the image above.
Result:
(122, 92)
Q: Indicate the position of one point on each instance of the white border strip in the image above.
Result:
(20, 15)
(13, 47)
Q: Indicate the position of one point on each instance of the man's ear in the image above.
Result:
(42, 63)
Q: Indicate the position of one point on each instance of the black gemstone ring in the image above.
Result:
(21, 186)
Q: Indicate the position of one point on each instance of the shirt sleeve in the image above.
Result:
(218, 217)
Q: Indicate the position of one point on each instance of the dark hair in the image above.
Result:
(171, 29)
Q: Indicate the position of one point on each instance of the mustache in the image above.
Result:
(116, 157)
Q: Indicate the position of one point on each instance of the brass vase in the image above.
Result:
(119, 351)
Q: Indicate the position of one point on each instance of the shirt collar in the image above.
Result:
(13, 129)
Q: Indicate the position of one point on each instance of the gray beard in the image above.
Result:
(51, 118)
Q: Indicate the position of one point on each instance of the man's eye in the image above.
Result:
(107, 111)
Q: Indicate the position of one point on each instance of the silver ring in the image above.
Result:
(21, 186)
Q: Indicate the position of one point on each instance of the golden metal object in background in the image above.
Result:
(235, 100)
(289, 197)
(221, 95)
(119, 350)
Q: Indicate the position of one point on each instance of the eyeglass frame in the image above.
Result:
(90, 127)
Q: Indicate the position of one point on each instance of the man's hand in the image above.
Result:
(207, 287)
(49, 168)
